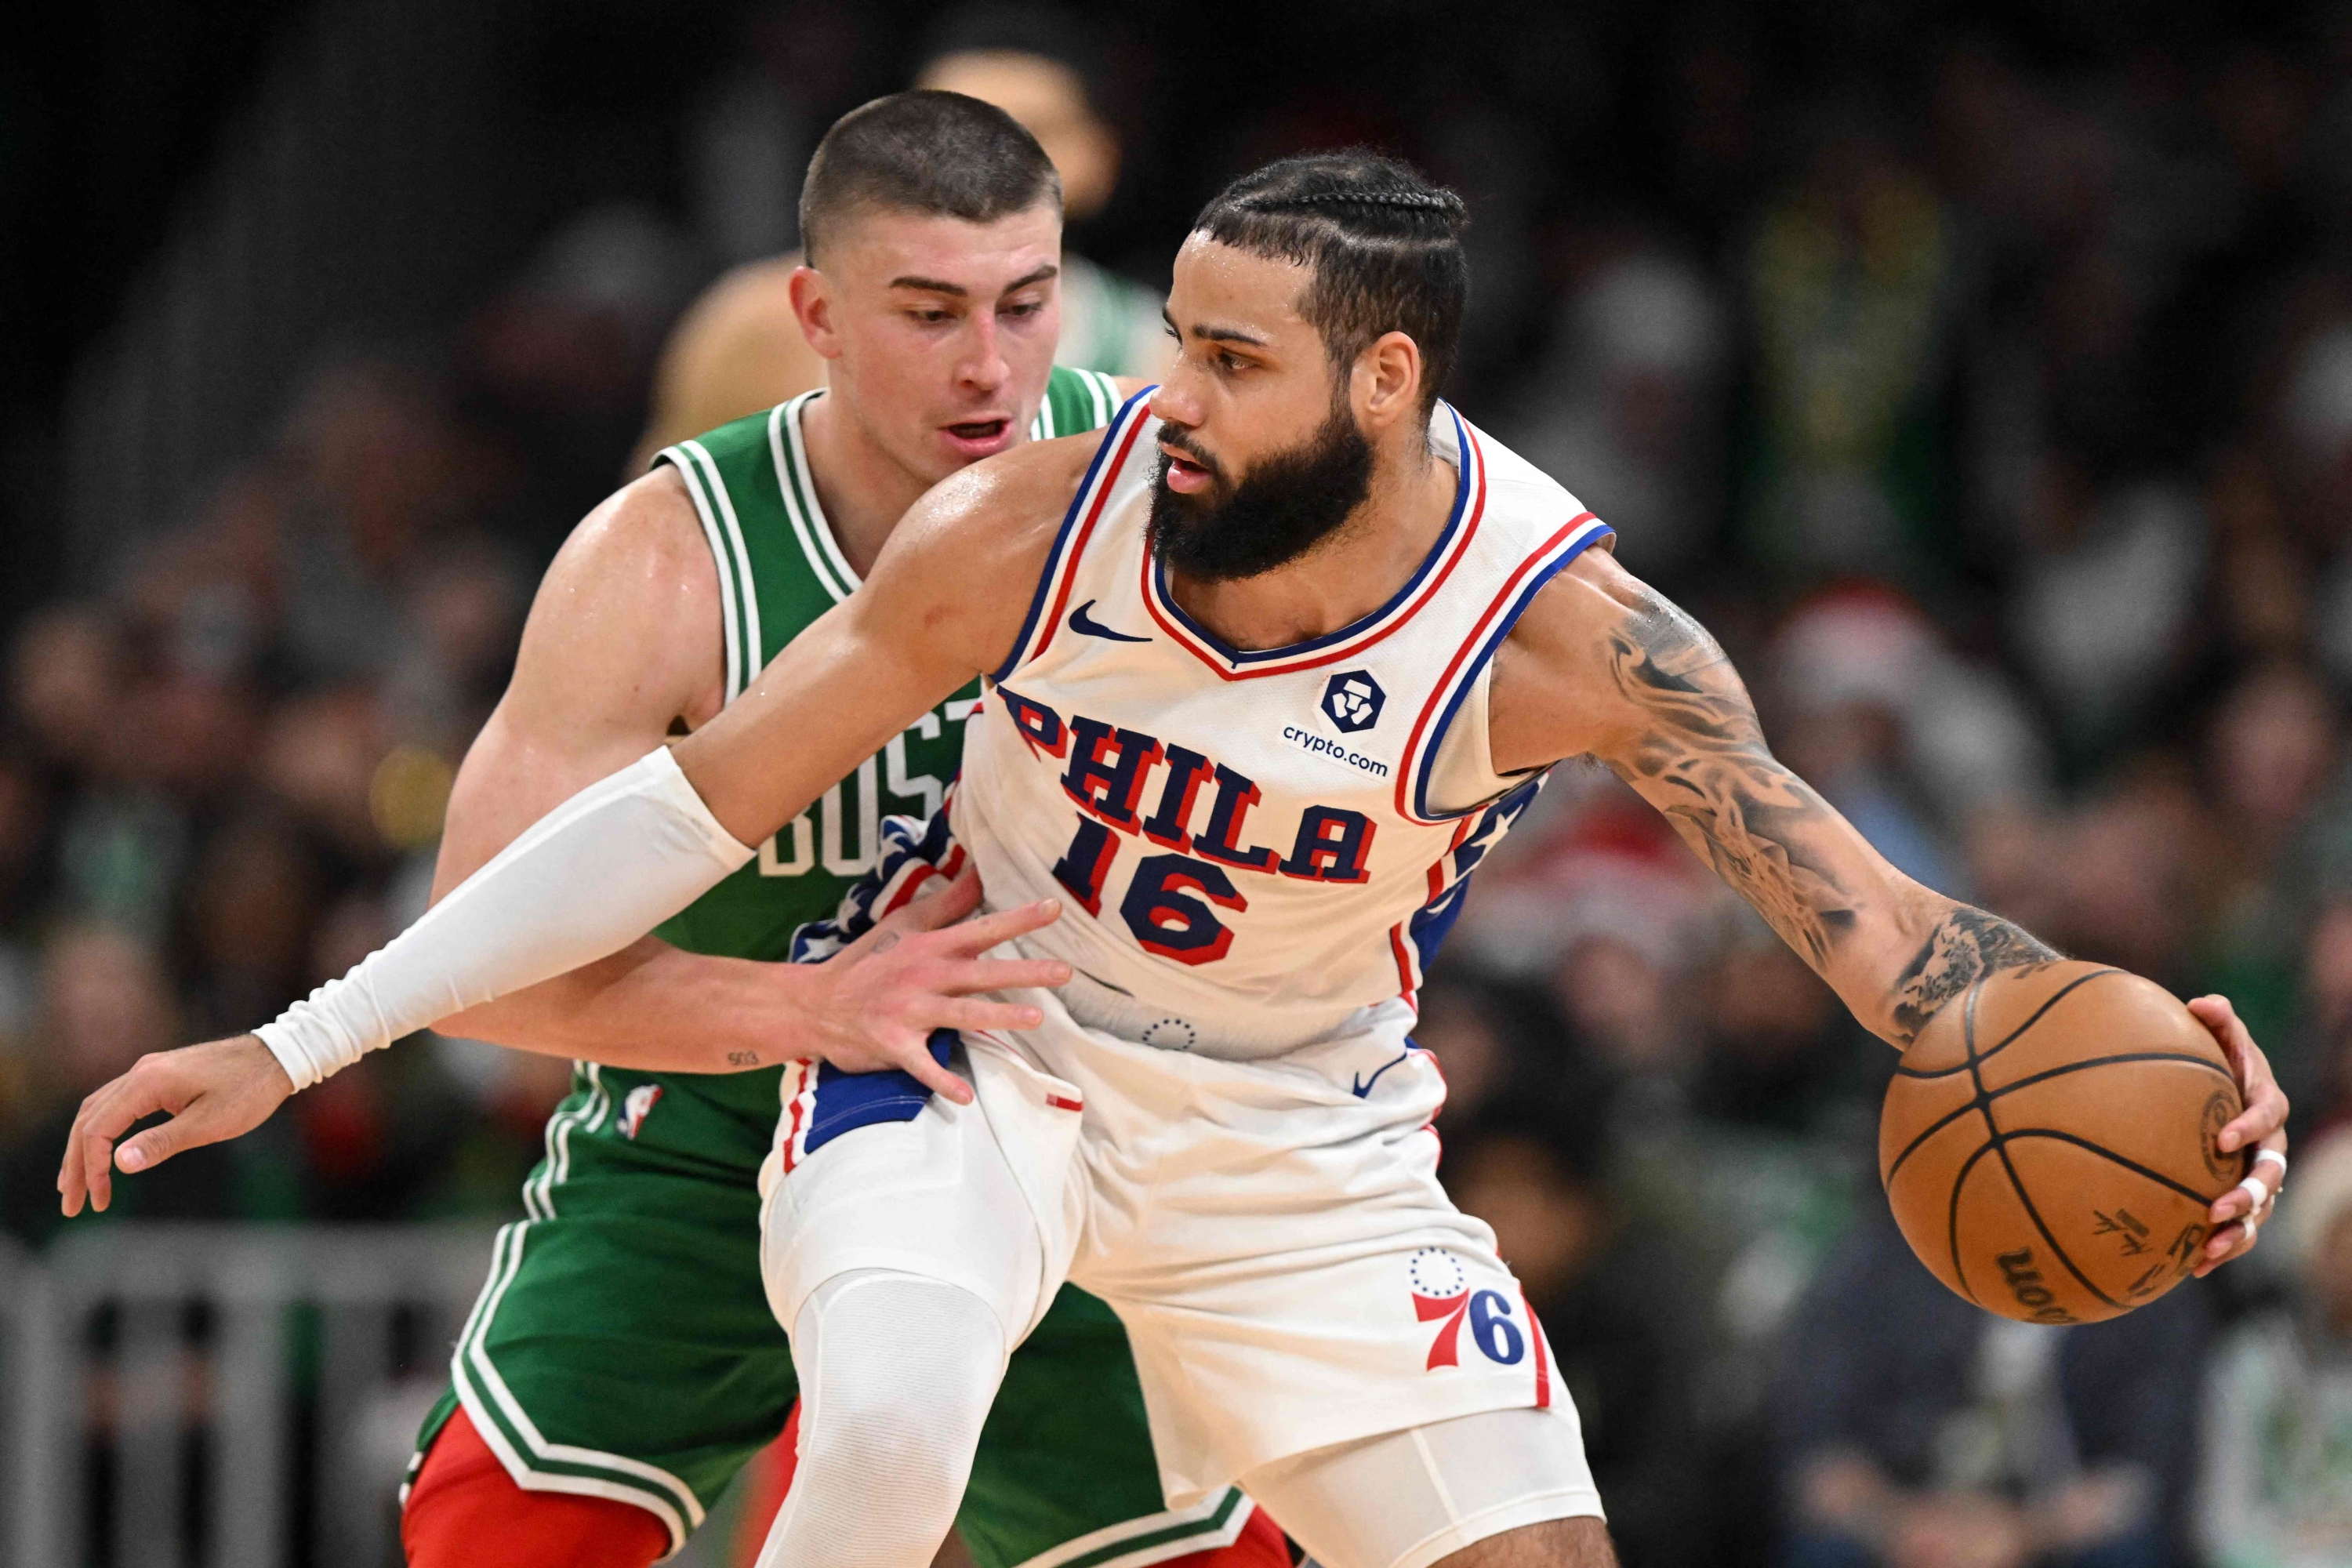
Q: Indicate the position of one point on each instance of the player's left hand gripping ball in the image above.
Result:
(2239, 1214)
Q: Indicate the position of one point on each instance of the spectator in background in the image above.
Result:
(2270, 753)
(1044, 64)
(1915, 1430)
(2108, 585)
(1627, 406)
(738, 349)
(2277, 1486)
(2321, 1054)
(1489, 1035)
(1850, 281)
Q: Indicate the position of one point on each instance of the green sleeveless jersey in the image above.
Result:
(779, 569)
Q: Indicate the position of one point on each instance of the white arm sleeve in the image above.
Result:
(585, 880)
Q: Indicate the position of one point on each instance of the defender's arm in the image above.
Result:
(1603, 664)
(623, 641)
(945, 602)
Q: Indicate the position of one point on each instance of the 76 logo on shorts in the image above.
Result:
(1442, 1294)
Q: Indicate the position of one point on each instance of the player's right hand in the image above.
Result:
(877, 1000)
(214, 1091)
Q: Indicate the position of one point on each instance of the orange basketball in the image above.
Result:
(2047, 1143)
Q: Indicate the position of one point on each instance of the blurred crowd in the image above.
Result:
(1995, 409)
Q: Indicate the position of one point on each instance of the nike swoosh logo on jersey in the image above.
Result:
(1363, 1086)
(1085, 625)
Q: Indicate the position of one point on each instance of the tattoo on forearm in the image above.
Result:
(1724, 792)
(1966, 945)
(743, 1058)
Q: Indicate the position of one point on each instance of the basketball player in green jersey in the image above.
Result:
(740, 347)
(622, 1363)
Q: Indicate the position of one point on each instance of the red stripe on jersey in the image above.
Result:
(1223, 667)
(1445, 682)
(1069, 565)
(906, 894)
(1437, 866)
(1404, 966)
(1063, 1102)
(792, 1132)
(1543, 1362)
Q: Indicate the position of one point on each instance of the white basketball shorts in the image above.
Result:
(1272, 1233)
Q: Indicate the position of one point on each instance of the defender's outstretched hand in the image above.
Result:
(877, 1000)
(2238, 1215)
(213, 1092)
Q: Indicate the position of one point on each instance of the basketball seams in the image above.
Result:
(1992, 1129)
(2001, 1147)
(2061, 1135)
(2044, 1077)
(1959, 1185)
(2047, 1003)
(1960, 1182)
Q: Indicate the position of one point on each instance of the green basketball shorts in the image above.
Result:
(622, 1348)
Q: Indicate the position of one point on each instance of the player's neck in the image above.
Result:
(864, 490)
(1343, 579)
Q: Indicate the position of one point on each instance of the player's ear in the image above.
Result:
(814, 304)
(1388, 381)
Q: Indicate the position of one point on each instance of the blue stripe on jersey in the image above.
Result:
(1054, 559)
(1428, 563)
(845, 1101)
(1427, 764)
(1430, 923)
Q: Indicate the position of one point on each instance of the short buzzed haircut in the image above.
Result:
(923, 151)
(1382, 244)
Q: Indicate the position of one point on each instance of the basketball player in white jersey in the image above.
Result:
(1274, 663)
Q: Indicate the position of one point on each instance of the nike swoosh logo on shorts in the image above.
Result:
(1362, 1086)
(1085, 625)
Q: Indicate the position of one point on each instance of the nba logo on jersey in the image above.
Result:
(637, 1106)
(1352, 700)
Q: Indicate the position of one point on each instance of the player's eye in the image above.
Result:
(1025, 307)
(930, 318)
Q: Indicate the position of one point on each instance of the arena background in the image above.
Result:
(1983, 375)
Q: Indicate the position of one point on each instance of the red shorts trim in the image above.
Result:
(465, 1512)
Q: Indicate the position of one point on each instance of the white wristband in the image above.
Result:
(585, 880)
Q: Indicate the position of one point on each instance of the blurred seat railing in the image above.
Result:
(375, 184)
(172, 1395)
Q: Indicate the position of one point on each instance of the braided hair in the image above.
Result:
(1382, 243)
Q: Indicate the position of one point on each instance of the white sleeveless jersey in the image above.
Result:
(1257, 843)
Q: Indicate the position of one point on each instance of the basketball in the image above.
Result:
(2047, 1143)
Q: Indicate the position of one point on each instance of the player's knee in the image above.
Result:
(902, 1372)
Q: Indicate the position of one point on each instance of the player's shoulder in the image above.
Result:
(647, 531)
(631, 600)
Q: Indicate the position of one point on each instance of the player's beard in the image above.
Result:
(1284, 507)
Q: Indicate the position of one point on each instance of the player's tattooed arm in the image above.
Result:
(1964, 946)
(1605, 665)
(1698, 754)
